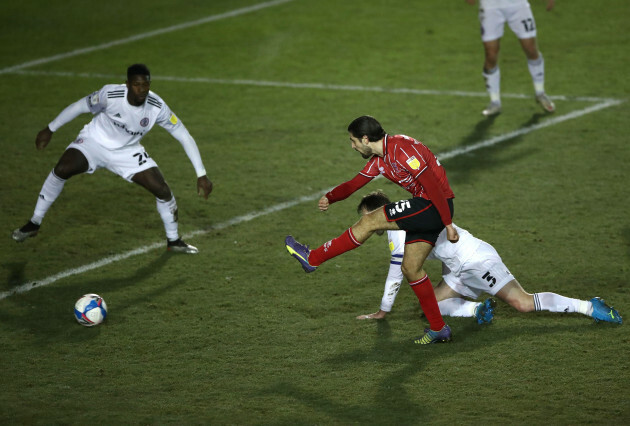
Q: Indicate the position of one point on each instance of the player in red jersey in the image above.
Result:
(413, 166)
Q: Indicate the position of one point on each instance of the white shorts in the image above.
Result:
(519, 18)
(125, 162)
(485, 272)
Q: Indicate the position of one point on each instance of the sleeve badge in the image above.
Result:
(413, 163)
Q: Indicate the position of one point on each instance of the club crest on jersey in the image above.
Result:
(413, 163)
(144, 122)
(78, 140)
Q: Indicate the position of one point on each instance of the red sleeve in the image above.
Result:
(343, 191)
(436, 195)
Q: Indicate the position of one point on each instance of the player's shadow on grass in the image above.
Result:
(16, 274)
(49, 313)
(461, 167)
(392, 390)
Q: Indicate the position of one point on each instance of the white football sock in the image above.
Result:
(493, 84)
(168, 213)
(457, 307)
(537, 71)
(553, 302)
(53, 185)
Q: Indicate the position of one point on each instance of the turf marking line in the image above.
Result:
(211, 18)
(314, 86)
(291, 203)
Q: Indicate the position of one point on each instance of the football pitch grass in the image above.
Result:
(239, 334)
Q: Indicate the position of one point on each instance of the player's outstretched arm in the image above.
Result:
(323, 203)
(43, 138)
(204, 186)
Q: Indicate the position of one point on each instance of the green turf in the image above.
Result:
(239, 334)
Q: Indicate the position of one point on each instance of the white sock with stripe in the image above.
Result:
(493, 84)
(553, 302)
(53, 185)
(537, 71)
(168, 213)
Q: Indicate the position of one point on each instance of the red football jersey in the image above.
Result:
(411, 165)
(404, 160)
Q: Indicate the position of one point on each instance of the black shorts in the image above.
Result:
(418, 217)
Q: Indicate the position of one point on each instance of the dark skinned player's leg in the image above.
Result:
(72, 162)
(153, 181)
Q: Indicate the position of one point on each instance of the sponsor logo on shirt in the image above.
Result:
(117, 115)
(122, 126)
(413, 163)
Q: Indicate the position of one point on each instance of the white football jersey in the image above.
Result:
(454, 255)
(117, 123)
(496, 4)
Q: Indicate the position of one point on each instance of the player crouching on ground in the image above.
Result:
(469, 268)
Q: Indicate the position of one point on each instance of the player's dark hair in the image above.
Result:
(372, 201)
(137, 69)
(366, 126)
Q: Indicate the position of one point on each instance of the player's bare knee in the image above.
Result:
(64, 170)
(411, 270)
(164, 193)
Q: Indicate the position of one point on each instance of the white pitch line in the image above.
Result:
(142, 36)
(524, 130)
(315, 86)
(288, 204)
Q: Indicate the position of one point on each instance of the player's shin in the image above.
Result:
(343, 243)
(168, 213)
(424, 292)
(53, 185)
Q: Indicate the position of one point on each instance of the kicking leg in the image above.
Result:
(349, 240)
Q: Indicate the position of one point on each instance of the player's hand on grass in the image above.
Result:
(204, 186)
(451, 234)
(323, 203)
(43, 138)
(376, 315)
